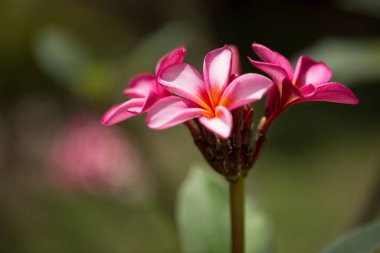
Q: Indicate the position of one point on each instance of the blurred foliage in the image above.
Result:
(61, 55)
(68, 62)
(371, 7)
(203, 216)
(364, 240)
(61, 58)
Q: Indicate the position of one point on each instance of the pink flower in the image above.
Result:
(143, 90)
(86, 156)
(309, 82)
(210, 97)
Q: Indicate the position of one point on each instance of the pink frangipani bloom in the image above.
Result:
(210, 97)
(143, 90)
(309, 82)
(236, 67)
(84, 155)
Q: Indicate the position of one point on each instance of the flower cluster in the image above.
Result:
(85, 156)
(216, 106)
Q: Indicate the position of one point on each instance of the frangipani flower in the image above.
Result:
(143, 90)
(210, 97)
(86, 156)
(309, 82)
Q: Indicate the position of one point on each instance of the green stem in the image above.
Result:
(237, 215)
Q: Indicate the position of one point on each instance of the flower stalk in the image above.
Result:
(237, 215)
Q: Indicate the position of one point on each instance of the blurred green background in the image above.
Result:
(318, 176)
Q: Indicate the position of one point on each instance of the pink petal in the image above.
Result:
(331, 92)
(122, 111)
(289, 93)
(273, 57)
(171, 111)
(245, 89)
(271, 103)
(184, 80)
(161, 91)
(173, 57)
(277, 73)
(151, 98)
(221, 124)
(309, 71)
(308, 90)
(236, 67)
(140, 85)
(217, 71)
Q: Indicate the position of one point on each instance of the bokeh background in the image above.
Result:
(68, 184)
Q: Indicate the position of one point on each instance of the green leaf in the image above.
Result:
(203, 216)
(61, 55)
(363, 240)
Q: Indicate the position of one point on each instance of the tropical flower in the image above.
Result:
(210, 97)
(86, 156)
(309, 82)
(143, 90)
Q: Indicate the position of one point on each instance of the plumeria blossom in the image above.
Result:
(86, 156)
(309, 82)
(143, 90)
(216, 103)
(210, 97)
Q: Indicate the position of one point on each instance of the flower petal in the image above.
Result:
(151, 98)
(140, 85)
(236, 67)
(245, 89)
(221, 124)
(308, 90)
(217, 71)
(272, 101)
(173, 57)
(309, 71)
(330, 92)
(273, 57)
(171, 111)
(277, 73)
(184, 80)
(123, 111)
(290, 94)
